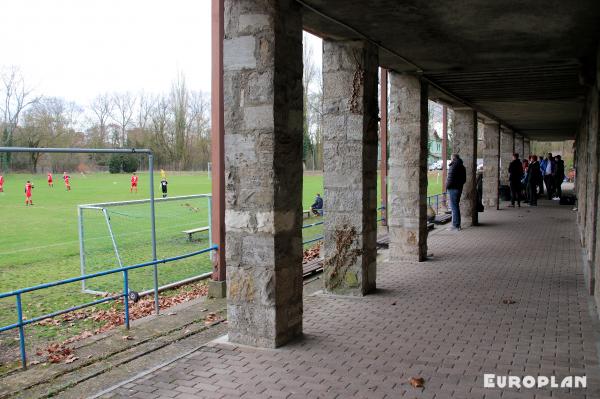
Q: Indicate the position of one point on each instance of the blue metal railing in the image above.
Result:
(319, 238)
(21, 323)
(436, 198)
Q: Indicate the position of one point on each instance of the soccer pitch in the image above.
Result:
(40, 244)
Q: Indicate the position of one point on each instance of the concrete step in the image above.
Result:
(154, 338)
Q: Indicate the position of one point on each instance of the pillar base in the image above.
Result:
(217, 289)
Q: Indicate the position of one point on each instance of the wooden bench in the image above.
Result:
(190, 232)
(306, 213)
(442, 219)
(312, 266)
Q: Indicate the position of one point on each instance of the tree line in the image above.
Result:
(174, 125)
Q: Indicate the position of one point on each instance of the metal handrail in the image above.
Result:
(319, 238)
(21, 323)
(444, 196)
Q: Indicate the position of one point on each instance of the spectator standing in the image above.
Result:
(559, 176)
(515, 174)
(457, 176)
(542, 163)
(524, 180)
(534, 178)
(550, 175)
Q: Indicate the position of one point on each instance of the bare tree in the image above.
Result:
(102, 107)
(198, 138)
(44, 123)
(145, 103)
(179, 103)
(124, 104)
(160, 120)
(16, 97)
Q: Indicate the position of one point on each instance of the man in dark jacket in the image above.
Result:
(549, 173)
(559, 176)
(317, 206)
(457, 176)
(515, 174)
(534, 177)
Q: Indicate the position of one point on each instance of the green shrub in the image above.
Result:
(130, 163)
(115, 163)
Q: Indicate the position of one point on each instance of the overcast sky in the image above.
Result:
(76, 49)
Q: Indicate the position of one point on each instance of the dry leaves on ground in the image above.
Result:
(311, 253)
(112, 318)
(211, 318)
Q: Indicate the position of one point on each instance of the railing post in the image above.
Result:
(153, 227)
(21, 331)
(126, 297)
(437, 204)
(210, 234)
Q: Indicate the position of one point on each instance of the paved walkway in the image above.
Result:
(443, 320)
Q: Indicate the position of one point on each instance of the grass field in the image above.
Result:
(39, 244)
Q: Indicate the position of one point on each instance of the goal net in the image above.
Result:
(116, 234)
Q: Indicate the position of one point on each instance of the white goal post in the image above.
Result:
(104, 225)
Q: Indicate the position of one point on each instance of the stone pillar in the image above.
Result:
(595, 130)
(465, 145)
(506, 153)
(591, 199)
(491, 142)
(519, 145)
(408, 168)
(263, 168)
(526, 148)
(350, 125)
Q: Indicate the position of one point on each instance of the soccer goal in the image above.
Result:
(116, 234)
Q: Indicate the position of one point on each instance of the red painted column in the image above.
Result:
(444, 146)
(383, 141)
(217, 141)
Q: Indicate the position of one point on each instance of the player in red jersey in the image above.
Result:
(28, 188)
(1, 184)
(134, 182)
(66, 178)
(50, 181)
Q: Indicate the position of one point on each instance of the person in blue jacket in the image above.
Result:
(317, 206)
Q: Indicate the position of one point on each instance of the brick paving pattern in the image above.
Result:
(443, 320)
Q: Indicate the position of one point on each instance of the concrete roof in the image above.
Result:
(516, 61)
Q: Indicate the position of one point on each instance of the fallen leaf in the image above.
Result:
(417, 382)
(127, 337)
(508, 301)
(71, 359)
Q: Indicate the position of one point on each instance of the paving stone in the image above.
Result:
(448, 325)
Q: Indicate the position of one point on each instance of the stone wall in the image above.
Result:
(587, 185)
(519, 145)
(350, 125)
(407, 176)
(263, 168)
